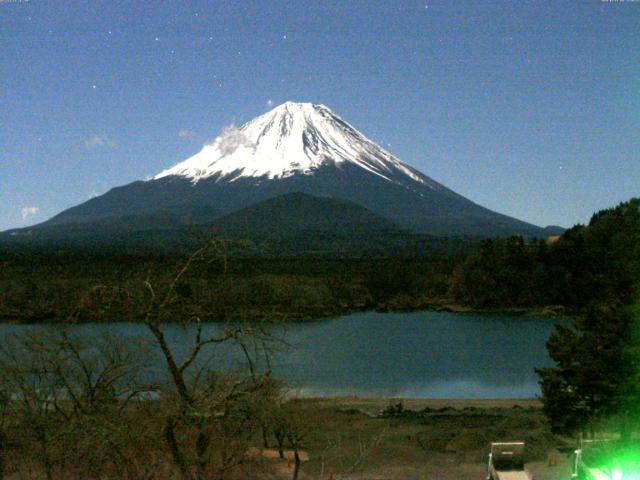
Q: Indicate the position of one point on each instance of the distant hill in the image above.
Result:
(297, 224)
(298, 213)
(552, 230)
(293, 224)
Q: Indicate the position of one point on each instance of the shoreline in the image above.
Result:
(373, 405)
(549, 311)
(546, 311)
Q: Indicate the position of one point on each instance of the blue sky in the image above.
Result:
(531, 108)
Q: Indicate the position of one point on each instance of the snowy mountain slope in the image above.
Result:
(296, 147)
(293, 138)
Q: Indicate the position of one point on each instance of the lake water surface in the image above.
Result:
(418, 355)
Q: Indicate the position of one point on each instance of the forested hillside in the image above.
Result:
(598, 262)
(588, 263)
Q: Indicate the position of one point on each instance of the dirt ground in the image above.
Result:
(349, 438)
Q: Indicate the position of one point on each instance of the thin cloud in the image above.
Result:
(95, 141)
(230, 139)
(186, 133)
(28, 211)
(269, 103)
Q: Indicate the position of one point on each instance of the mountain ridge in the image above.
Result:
(295, 148)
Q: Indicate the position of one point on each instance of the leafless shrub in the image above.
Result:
(65, 400)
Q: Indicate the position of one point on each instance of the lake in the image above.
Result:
(417, 355)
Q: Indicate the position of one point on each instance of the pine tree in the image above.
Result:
(596, 371)
(597, 358)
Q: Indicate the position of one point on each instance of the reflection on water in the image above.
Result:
(422, 355)
(419, 355)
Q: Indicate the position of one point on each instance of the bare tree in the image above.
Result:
(291, 428)
(65, 396)
(209, 404)
(333, 454)
(81, 407)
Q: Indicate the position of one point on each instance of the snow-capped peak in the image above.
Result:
(293, 138)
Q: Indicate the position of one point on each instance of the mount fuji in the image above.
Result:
(294, 148)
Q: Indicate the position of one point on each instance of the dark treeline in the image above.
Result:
(54, 286)
(593, 263)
